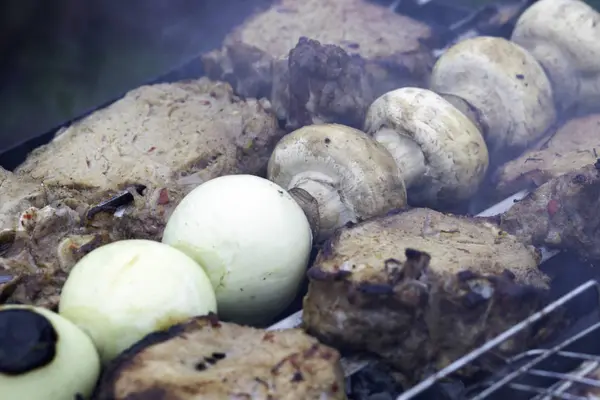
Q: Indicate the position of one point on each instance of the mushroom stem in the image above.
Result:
(441, 154)
(467, 109)
(341, 171)
(406, 152)
(314, 192)
(310, 206)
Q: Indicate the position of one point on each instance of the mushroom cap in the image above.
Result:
(564, 36)
(504, 83)
(72, 370)
(122, 291)
(252, 239)
(356, 168)
(455, 153)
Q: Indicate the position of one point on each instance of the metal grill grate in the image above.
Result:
(528, 364)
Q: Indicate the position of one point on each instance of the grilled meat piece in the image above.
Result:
(17, 194)
(421, 310)
(42, 235)
(166, 137)
(208, 359)
(561, 214)
(391, 44)
(320, 84)
(572, 146)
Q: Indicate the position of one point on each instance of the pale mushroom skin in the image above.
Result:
(441, 153)
(503, 86)
(564, 36)
(350, 176)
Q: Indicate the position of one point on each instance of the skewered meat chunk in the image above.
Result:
(208, 359)
(561, 214)
(391, 44)
(167, 137)
(572, 146)
(422, 309)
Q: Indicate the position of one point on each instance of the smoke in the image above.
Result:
(61, 60)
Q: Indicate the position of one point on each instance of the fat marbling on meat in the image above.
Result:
(168, 137)
(208, 359)
(420, 288)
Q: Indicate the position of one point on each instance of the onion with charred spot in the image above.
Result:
(43, 356)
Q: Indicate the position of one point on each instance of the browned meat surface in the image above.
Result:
(561, 214)
(208, 359)
(574, 145)
(391, 44)
(167, 137)
(418, 311)
(320, 84)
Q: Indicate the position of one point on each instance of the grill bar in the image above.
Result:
(557, 391)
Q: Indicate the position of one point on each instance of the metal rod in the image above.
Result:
(458, 364)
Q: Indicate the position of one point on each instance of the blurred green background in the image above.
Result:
(60, 58)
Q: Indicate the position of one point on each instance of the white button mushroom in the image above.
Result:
(252, 239)
(120, 292)
(564, 36)
(502, 87)
(43, 356)
(350, 176)
(441, 153)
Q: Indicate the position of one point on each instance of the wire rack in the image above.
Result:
(580, 383)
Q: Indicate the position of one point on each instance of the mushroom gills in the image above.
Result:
(350, 176)
(333, 211)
